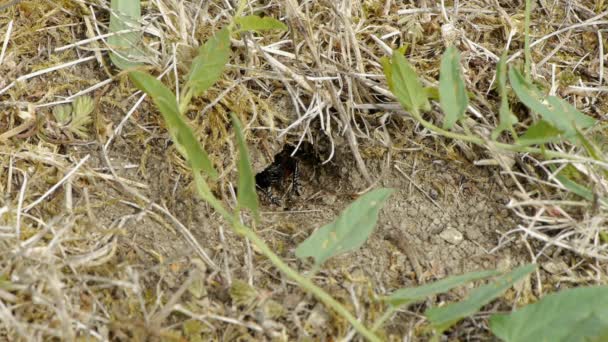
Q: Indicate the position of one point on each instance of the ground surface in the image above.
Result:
(124, 249)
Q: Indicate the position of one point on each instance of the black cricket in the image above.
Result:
(285, 166)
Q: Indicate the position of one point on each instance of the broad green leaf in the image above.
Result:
(247, 197)
(430, 92)
(411, 295)
(541, 132)
(452, 92)
(348, 232)
(406, 86)
(178, 128)
(557, 112)
(505, 116)
(208, 66)
(125, 15)
(579, 314)
(255, 23)
(443, 317)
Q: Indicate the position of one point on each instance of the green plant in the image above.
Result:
(568, 316)
(74, 118)
(125, 40)
(352, 228)
(579, 314)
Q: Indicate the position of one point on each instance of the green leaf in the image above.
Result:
(591, 148)
(255, 23)
(125, 15)
(82, 108)
(83, 105)
(452, 92)
(443, 317)
(208, 66)
(432, 93)
(406, 86)
(603, 237)
(63, 113)
(247, 196)
(579, 314)
(541, 132)
(387, 68)
(348, 232)
(411, 295)
(568, 177)
(574, 187)
(178, 128)
(557, 112)
(505, 116)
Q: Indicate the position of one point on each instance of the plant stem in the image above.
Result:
(502, 146)
(386, 315)
(239, 12)
(302, 281)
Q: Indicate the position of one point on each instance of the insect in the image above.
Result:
(285, 166)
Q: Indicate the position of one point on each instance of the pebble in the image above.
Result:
(451, 235)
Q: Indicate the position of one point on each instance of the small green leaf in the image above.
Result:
(247, 196)
(197, 288)
(557, 112)
(541, 132)
(208, 66)
(443, 317)
(83, 105)
(63, 113)
(579, 314)
(568, 177)
(590, 146)
(259, 24)
(432, 93)
(505, 116)
(406, 86)
(411, 295)
(574, 187)
(348, 232)
(452, 92)
(178, 128)
(125, 15)
(603, 237)
(387, 68)
(82, 108)
(242, 293)
(193, 329)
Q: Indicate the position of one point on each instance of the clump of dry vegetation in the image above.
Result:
(103, 237)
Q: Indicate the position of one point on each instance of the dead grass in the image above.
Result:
(69, 267)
